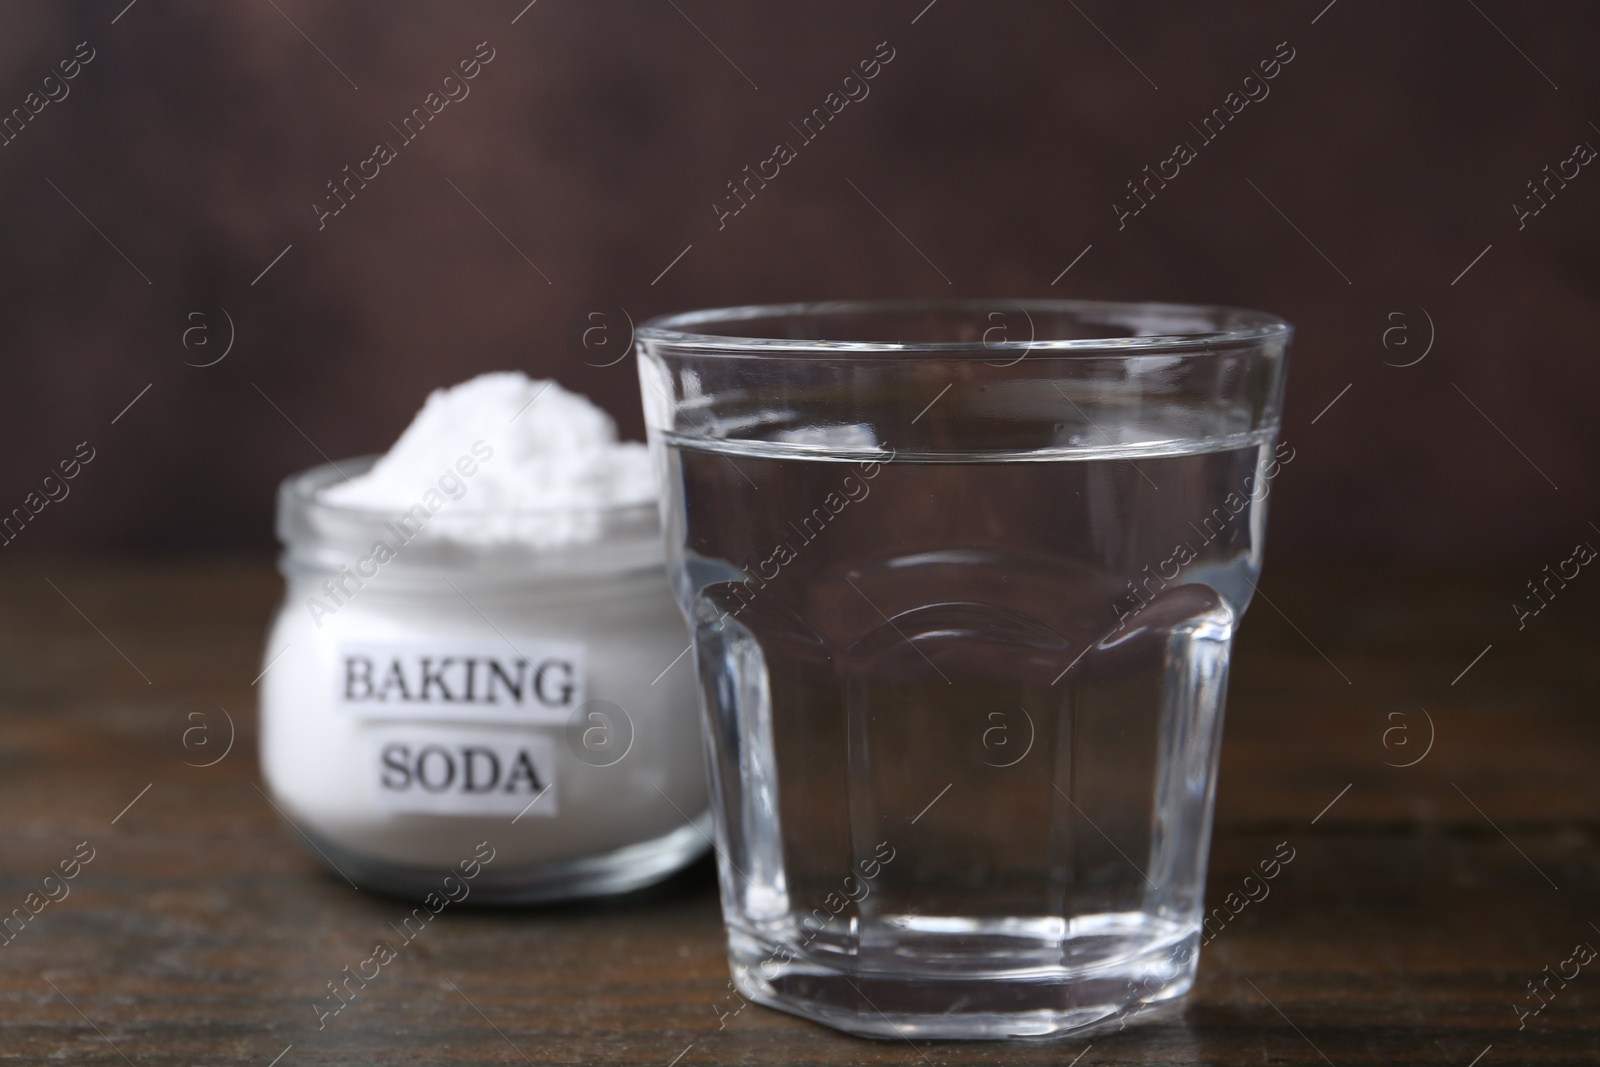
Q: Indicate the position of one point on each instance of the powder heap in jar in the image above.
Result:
(542, 461)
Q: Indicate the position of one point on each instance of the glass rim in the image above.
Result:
(678, 330)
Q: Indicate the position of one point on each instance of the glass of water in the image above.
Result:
(963, 579)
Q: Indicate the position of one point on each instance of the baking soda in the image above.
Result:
(510, 669)
(555, 461)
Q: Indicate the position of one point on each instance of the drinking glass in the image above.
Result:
(963, 579)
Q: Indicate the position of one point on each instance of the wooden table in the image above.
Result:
(1420, 903)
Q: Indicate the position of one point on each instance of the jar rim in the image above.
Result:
(1225, 327)
(305, 489)
(489, 544)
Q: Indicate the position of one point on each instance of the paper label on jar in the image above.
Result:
(448, 771)
(470, 681)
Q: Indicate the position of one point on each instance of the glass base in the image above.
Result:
(1108, 988)
(626, 869)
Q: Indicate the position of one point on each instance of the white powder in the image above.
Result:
(410, 772)
(554, 461)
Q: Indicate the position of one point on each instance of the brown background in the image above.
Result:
(598, 138)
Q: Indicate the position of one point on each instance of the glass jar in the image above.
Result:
(445, 677)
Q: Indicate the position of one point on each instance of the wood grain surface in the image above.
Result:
(1420, 903)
